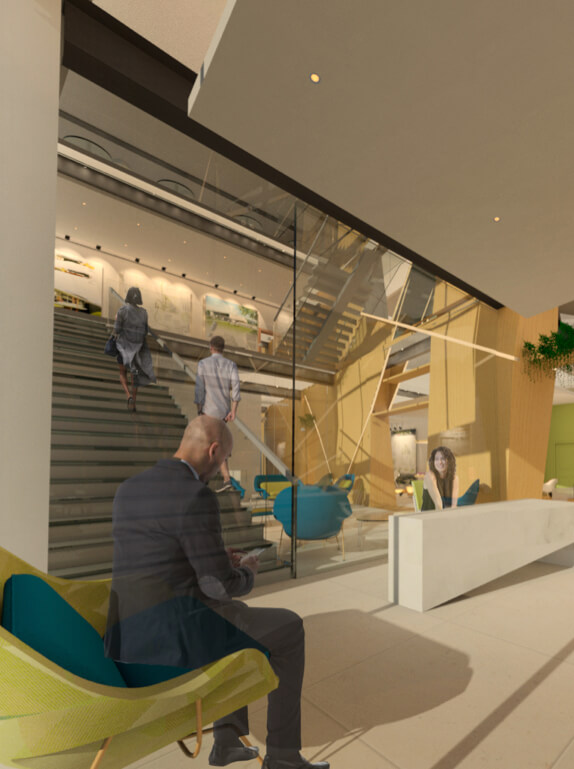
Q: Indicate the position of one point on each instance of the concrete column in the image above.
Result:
(29, 89)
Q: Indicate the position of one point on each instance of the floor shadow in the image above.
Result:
(370, 672)
(276, 581)
(528, 573)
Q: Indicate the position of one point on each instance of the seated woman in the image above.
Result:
(440, 485)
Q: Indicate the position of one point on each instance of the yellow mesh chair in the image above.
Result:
(51, 718)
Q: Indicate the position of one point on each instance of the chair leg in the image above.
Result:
(343, 541)
(248, 744)
(100, 754)
(198, 733)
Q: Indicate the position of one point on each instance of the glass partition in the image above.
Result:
(354, 364)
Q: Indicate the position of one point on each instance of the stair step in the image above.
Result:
(139, 426)
(61, 490)
(77, 471)
(108, 391)
(84, 438)
(84, 556)
(105, 454)
(71, 344)
(111, 412)
(77, 509)
(111, 385)
(78, 538)
(85, 571)
(88, 404)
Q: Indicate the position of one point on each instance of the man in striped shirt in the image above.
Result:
(217, 391)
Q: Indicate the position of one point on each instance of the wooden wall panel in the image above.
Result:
(357, 389)
(485, 408)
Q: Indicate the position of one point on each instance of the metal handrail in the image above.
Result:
(259, 445)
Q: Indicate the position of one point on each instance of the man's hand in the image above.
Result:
(235, 555)
(229, 417)
(251, 561)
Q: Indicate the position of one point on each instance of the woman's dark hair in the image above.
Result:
(450, 462)
(134, 296)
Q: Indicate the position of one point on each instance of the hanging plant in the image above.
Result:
(553, 351)
(306, 421)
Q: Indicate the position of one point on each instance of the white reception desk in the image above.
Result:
(437, 556)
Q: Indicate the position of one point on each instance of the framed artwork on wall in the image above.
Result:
(237, 324)
(77, 283)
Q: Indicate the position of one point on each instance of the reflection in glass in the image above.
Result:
(87, 145)
(177, 187)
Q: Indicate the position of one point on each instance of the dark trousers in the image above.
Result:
(281, 632)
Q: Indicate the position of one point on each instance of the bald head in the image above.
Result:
(206, 443)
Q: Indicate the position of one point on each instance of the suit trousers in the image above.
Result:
(281, 632)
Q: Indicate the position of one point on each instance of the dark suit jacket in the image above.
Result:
(170, 571)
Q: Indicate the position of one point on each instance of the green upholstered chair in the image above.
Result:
(417, 494)
(51, 717)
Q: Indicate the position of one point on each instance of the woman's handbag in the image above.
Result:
(111, 347)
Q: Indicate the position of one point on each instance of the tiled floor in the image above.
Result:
(484, 681)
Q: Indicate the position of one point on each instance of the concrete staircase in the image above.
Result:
(97, 443)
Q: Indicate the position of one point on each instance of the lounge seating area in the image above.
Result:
(63, 704)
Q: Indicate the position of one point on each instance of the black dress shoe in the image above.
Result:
(298, 763)
(221, 755)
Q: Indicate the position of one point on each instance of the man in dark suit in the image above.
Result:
(171, 570)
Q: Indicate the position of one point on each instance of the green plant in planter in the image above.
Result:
(553, 351)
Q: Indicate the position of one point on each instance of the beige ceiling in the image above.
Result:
(182, 28)
(431, 119)
(91, 218)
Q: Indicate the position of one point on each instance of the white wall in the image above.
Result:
(415, 420)
(29, 87)
(120, 275)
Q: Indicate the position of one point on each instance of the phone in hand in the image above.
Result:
(256, 551)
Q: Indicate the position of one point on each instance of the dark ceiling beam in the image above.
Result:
(111, 55)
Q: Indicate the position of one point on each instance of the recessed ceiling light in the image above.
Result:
(125, 245)
(169, 260)
(497, 218)
(75, 228)
(138, 224)
(184, 242)
(314, 77)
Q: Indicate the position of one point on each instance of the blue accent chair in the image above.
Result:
(238, 487)
(320, 512)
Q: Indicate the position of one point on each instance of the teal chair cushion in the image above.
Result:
(35, 613)
(136, 675)
(470, 495)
